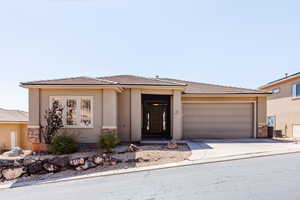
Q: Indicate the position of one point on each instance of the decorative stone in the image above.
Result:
(114, 161)
(14, 152)
(13, 173)
(172, 145)
(133, 148)
(87, 165)
(6, 163)
(98, 159)
(35, 168)
(50, 167)
(28, 161)
(77, 161)
(61, 162)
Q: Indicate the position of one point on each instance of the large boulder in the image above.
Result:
(75, 162)
(61, 162)
(13, 173)
(35, 168)
(14, 152)
(87, 165)
(6, 163)
(98, 159)
(133, 148)
(50, 167)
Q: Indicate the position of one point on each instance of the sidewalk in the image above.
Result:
(203, 152)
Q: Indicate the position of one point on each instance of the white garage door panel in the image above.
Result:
(296, 131)
(218, 120)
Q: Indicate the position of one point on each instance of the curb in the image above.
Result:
(151, 168)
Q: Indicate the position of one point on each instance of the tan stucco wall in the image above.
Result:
(124, 115)
(110, 111)
(34, 106)
(284, 107)
(83, 135)
(5, 135)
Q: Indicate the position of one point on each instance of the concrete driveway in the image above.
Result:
(211, 149)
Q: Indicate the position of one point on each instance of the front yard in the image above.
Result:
(38, 167)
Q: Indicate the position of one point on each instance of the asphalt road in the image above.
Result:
(276, 177)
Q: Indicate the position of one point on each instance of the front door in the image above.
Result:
(156, 116)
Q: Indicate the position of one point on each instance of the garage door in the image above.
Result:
(218, 120)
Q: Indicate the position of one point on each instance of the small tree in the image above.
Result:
(54, 122)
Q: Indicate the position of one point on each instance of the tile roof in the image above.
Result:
(13, 115)
(191, 87)
(204, 88)
(72, 81)
(281, 79)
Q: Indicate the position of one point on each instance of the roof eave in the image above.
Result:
(72, 86)
(263, 94)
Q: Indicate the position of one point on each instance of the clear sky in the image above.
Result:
(228, 42)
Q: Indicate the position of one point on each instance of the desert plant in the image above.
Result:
(108, 141)
(54, 122)
(63, 144)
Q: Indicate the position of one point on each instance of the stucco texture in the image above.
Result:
(284, 107)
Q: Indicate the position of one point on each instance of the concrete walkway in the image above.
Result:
(211, 149)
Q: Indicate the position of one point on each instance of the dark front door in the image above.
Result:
(156, 116)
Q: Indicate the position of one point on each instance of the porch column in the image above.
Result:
(136, 115)
(177, 115)
(34, 115)
(109, 111)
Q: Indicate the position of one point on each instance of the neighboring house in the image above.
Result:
(139, 108)
(13, 129)
(284, 105)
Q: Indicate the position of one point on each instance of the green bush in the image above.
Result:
(63, 144)
(108, 141)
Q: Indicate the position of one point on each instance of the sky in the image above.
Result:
(228, 42)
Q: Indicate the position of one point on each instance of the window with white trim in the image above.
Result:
(77, 110)
(296, 90)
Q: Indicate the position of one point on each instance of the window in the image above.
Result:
(275, 91)
(296, 90)
(272, 121)
(77, 110)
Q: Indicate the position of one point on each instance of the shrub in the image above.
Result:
(63, 144)
(108, 141)
(53, 117)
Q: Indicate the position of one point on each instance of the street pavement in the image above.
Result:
(276, 177)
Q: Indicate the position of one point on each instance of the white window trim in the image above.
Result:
(294, 91)
(63, 99)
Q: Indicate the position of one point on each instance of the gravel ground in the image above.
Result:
(155, 154)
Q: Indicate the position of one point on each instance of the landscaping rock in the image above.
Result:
(35, 168)
(87, 165)
(13, 173)
(28, 161)
(62, 162)
(7, 163)
(133, 148)
(172, 145)
(114, 161)
(77, 162)
(98, 159)
(14, 152)
(50, 167)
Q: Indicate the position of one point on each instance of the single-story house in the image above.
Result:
(140, 108)
(284, 105)
(13, 129)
